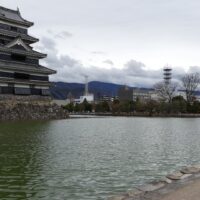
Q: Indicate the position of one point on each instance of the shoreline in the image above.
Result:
(181, 115)
(171, 187)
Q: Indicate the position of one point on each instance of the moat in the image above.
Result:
(83, 159)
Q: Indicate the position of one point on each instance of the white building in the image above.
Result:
(89, 98)
(142, 94)
(154, 95)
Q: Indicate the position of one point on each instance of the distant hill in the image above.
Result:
(60, 90)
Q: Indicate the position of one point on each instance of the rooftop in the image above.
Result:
(15, 34)
(23, 52)
(13, 16)
(25, 67)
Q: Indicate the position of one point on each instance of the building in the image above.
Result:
(145, 94)
(125, 94)
(141, 94)
(20, 71)
(89, 98)
(154, 95)
(107, 98)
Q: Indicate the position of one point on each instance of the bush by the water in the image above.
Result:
(176, 106)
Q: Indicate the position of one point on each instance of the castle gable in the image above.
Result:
(18, 43)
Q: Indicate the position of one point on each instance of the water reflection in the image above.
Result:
(21, 153)
(83, 159)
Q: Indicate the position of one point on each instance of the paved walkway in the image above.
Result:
(188, 192)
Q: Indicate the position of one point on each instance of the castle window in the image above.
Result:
(21, 76)
(2, 41)
(12, 28)
(18, 57)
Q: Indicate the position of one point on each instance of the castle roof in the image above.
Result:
(15, 46)
(15, 34)
(23, 52)
(17, 66)
(13, 16)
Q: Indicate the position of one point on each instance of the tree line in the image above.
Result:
(168, 102)
(150, 107)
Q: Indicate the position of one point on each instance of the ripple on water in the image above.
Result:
(89, 159)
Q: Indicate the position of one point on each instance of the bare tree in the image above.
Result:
(166, 91)
(190, 83)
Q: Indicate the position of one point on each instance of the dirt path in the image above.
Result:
(189, 192)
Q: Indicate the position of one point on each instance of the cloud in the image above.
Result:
(98, 52)
(134, 68)
(110, 62)
(48, 43)
(54, 60)
(194, 69)
(139, 71)
(134, 73)
(137, 30)
(64, 35)
(61, 34)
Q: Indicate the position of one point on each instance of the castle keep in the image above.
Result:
(20, 71)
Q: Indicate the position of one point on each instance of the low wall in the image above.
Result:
(29, 108)
(10, 97)
(156, 190)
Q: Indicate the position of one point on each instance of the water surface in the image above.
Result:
(89, 159)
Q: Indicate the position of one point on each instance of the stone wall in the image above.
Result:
(21, 98)
(29, 108)
(157, 190)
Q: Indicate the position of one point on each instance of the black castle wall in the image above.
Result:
(23, 91)
(30, 77)
(13, 28)
(27, 61)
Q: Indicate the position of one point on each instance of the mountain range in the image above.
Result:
(60, 90)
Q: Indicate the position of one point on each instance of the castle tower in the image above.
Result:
(20, 70)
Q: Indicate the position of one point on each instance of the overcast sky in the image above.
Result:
(120, 41)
